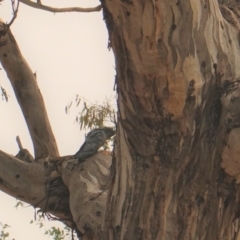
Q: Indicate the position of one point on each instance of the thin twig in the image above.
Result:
(38, 5)
(15, 11)
(19, 143)
(5, 27)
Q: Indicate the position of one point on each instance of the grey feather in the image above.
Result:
(94, 140)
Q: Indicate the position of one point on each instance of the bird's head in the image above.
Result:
(109, 131)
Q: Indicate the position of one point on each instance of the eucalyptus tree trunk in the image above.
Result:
(176, 158)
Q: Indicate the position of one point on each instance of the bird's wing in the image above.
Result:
(94, 140)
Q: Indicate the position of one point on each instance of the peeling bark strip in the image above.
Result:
(173, 61)
(28, 96)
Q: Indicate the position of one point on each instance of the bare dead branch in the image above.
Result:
(28, 95)
(23, 153)
(15, 11)
(19, 143)
(38, 5)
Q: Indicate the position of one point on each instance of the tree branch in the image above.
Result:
(35, 183)
(19, 143)
(16, 177)
(38, 5)
(15, 11)
(28, 95)
(74, 193)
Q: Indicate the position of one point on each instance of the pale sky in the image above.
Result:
(69, 53)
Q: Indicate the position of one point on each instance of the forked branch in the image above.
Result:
(15, 11)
